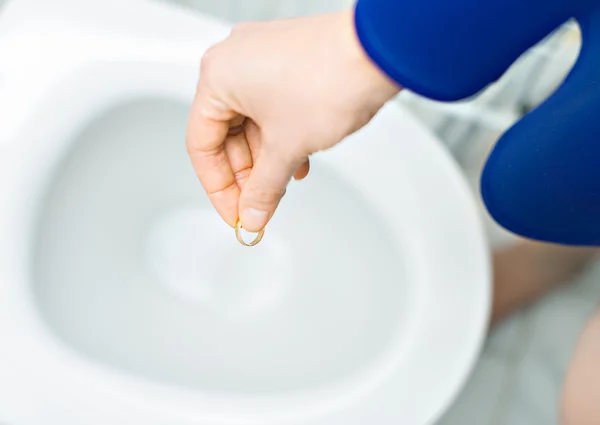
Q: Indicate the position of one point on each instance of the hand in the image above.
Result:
(270, 95)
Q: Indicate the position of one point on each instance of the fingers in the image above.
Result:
(264, 188)
(302, 171)
(238, 153)
(222, 147)
(207, 129)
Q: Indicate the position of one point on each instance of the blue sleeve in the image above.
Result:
(542, 180)
(451, 49)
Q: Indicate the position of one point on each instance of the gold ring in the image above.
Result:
(238, 235)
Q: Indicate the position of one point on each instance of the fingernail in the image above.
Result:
(254, 220)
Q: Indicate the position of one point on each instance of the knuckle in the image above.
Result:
(210, 157)
(191, 146)
(243, 174)
(209, 59)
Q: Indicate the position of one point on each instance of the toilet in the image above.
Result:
(125, 300)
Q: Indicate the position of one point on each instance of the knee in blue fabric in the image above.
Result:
(542, 180)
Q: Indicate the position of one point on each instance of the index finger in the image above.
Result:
(207, 129)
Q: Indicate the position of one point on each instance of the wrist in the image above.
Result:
(380, 85)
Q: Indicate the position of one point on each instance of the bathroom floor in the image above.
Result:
(519, 376)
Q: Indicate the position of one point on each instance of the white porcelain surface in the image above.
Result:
(125, 299)
(130, 248)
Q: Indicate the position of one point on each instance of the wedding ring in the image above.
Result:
(238, 235)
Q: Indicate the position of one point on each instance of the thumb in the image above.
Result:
(265, 187)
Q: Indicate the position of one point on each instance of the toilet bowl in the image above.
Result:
(124, 299)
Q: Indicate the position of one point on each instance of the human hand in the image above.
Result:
(270, 95)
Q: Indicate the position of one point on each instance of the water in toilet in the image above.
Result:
(128, 244)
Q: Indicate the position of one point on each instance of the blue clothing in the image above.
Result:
(542, 180)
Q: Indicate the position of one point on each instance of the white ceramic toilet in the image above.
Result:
(125, 300)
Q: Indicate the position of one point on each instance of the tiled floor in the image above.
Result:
(518, 378)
